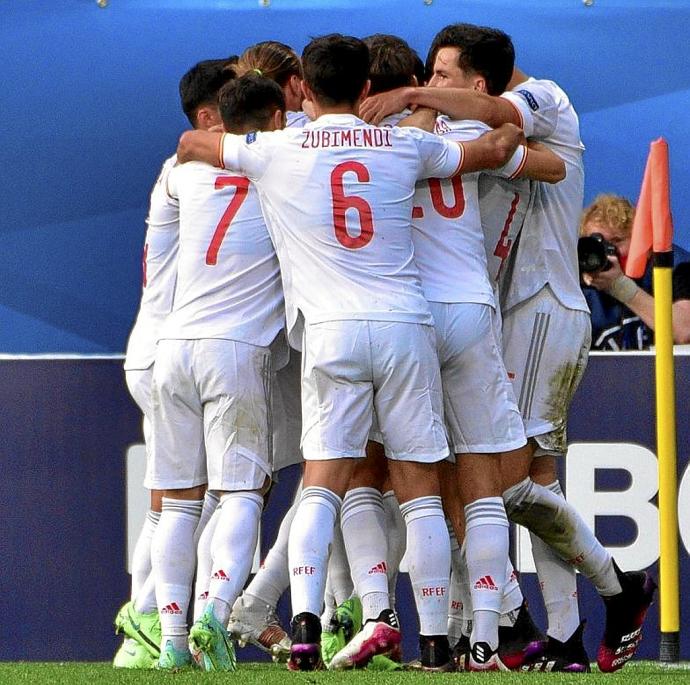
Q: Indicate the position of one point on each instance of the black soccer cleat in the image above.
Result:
(520, 642)
(564, 657)
(305, 652)
(461, 653)
(625, 614)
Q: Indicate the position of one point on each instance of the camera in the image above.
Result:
(593, 252)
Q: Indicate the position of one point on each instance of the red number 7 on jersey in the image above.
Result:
(242, 185)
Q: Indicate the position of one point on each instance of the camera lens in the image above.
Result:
(591, 253)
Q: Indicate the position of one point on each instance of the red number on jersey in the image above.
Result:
(504, 243)
(242, 186)
(342, 202)
(455, 210)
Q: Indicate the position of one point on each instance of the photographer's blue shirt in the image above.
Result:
(615, 327)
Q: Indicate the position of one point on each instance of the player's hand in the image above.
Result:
(308, 109)
(603, 280)
(507, 137)
(375, 108)
(422, 117)
(200, 146)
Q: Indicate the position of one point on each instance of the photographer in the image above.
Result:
(623, 308)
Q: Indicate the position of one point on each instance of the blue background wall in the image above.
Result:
(90, 109)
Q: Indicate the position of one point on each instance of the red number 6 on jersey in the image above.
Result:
(342, 202)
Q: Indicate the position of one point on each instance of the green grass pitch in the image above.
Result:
(636, 673)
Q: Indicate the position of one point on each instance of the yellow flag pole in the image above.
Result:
(666, 449)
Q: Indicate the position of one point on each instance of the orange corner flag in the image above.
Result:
(653, 227)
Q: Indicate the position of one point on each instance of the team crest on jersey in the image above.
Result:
(251, 137)
(533, 104)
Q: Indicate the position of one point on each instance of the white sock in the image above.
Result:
(397, 540)
(558, 524)
(211, 501)
(204, 565)
(363, 522)
(455, 601)
(145, 601)
(512, 597)
(558, 582)
(141, 559)
(173, 557)
(329, 605)
(233, 545)
(339, 580)
(310, 535)
(272, 578)
(428, 559)
(486, 553)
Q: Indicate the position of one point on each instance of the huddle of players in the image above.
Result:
(402, 332)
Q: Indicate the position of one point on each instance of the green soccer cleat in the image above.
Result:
(383, 663)
(345, 624)
(133, 655)
(143, 628)
(172, 659)
(211, 640)
(331, 644)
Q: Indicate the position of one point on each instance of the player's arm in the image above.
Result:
(492, 150)
(201, 146)
(457, 103)
(542, 164)
(423, 118)
(614, 282)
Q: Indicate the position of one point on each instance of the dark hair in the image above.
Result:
(391, 62)
(271, 59)
(420, 69)
(336, 68)
(486, 51)
(200, 85)
(249, 102)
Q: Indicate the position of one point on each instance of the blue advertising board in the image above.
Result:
(69, 424)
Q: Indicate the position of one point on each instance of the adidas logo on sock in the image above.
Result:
(203, 595)
(485, 583)
(379, 568)
(172, 608)
(220, 575)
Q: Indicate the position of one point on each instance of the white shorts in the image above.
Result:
(545, 348)
(139, 383)
(352, 368)
(211, 415)
(480, 408)
(287, 413)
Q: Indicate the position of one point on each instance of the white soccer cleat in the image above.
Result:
(259, 626)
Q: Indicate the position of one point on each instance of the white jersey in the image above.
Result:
(228, 282)
(547, 250)
(448, 238)
(337, 196)
(503, 207)
(296, 119)
(160, 270)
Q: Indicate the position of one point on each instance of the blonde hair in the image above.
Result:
(270, 59)
(613, 210)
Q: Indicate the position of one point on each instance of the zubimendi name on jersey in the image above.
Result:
(353, 137)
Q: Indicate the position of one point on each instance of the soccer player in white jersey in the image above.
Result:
(546, 340)
(449, 250)
(253, 619)
(198, 90)
(211, 388)
(337, 197)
